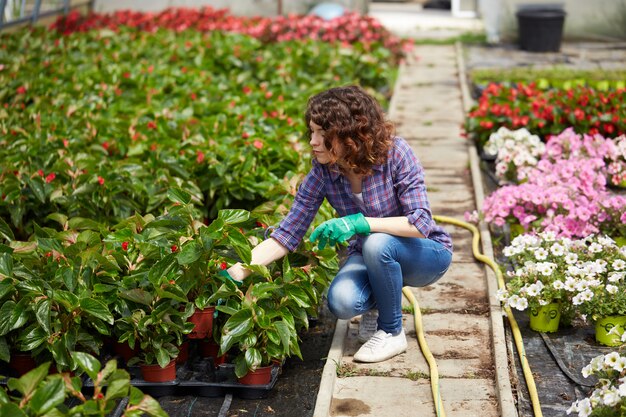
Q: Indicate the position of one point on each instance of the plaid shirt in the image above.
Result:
(394, 189)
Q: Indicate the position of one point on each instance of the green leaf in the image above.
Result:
(80, 223)
(241, 245)
(151, 407)
(38, 188)
(176, 195)
(117, 389)
(48, 396)
(162, 268)
(135, 396)
(233, 216)
(6, 264)
(28, 382)
(241, 366)
(12, 410)
(5, 231)
(42, 313)
(190, 252)
(163, 357)
(97, 309)
(284, 333)
(253, 358)
(138, 296)
(87, 363)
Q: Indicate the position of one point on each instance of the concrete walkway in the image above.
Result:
(462, 320)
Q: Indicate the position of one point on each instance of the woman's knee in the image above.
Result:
(377, 246)
(342, 300)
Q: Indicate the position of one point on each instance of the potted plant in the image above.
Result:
(515, 152)
(265, 317)
(538, 279)
(600, 287)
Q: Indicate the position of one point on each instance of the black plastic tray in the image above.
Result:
(198, 377)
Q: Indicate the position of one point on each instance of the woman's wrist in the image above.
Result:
(238, 272)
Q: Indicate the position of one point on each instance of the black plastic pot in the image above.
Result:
(540, 28)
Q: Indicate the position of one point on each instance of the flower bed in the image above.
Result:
(547, 112)
(350, 28)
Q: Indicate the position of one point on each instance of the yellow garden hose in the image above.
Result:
(517, 335)
(434, 372)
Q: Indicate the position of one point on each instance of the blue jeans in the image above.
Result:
(374, 279)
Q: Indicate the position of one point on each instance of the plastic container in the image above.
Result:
(540, 28)
(546, 318)
(604, 327)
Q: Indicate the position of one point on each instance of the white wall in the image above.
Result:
(237, 7)
(585, 20)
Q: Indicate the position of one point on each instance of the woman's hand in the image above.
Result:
(338, 230)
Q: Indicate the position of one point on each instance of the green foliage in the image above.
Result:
(39, 394)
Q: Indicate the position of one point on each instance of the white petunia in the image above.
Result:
(541, 254)
(618, 264)
(611, 289)
(557, 249)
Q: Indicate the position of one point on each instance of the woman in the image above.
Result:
(375, 183)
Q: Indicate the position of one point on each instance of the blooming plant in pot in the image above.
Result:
(515, 152)
(538, 278)
(599, 280)
(608, 397)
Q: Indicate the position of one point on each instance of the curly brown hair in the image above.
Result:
(356, 132)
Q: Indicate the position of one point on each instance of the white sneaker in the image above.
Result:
(381, 347)
(368, 325)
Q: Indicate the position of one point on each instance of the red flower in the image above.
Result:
(21, 90)
(125, 245)
(40, 172)
(51, 176)
(258, 144)
(223, 266)
(579, 114)
(100, 180)
(200, 156)
(245, 135)
(126, 75)
(193, 96)
(269, 94)
(174, 248)
(152, 124)
(106, 145)
(66, 143)
(246, 89)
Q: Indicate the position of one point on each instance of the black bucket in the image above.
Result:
(540, 28)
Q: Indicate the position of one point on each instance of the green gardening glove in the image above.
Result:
(226, 275)
(339, 230)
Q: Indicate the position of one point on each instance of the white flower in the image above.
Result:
(571, 258)
(557, 249)
(583, 407)
(558, 285)
(534, 290)
(541, 254)
(546, 268)
(611, 397)
(611, 359)
(620, 364)
(611, 289)
(586, 371)
(595, 248)
(622, 389)
(618, 264)
(615, 276)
